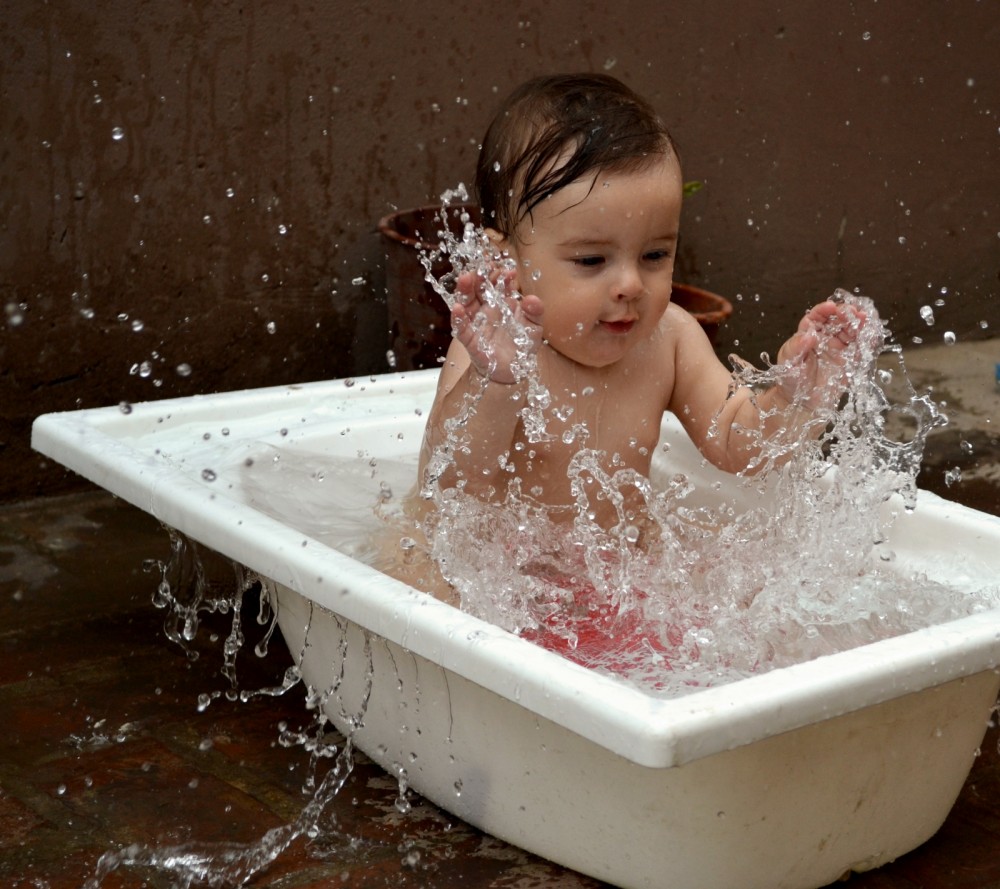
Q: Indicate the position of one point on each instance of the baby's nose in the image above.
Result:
(629, 284)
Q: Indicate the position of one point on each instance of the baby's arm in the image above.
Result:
(479, 385)
(727, 422)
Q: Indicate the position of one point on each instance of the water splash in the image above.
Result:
(224, 865)
(471, 252)
(185, 592)
(686, 588)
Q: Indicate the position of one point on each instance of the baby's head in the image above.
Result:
(551, 131)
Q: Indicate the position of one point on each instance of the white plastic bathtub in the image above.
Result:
(787, 779)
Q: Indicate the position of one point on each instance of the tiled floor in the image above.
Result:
(103, 745)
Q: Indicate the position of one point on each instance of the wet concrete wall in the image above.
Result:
(189, 191)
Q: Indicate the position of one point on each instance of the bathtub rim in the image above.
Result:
(104, 445)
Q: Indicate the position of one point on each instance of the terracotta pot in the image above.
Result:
(420, 328)
(709, 309)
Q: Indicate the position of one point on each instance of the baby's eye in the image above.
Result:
(588, 261)
(656, 255)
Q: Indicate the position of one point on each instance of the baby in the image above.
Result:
(580, 187)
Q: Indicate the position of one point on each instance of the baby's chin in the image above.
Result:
(585, 358)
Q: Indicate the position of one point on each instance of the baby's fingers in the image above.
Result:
(531, 308)
(843, 327)
(473, 285)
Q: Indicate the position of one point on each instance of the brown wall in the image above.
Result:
(842, 144)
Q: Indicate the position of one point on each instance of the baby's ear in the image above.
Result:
(497, 239)
(505, 247)
(501, 243)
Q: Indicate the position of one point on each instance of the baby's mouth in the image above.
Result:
(623, 325)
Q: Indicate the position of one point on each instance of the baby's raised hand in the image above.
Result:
(498, 326)
(813, 362)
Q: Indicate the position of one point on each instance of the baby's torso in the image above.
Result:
(598, 422)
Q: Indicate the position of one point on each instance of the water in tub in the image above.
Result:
(700, 581)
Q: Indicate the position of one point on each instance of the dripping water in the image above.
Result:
(186, 595)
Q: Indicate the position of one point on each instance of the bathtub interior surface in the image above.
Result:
(180, 460)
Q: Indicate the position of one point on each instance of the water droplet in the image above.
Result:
(61, 789)
(949, 338)
(87, 312)
(271, 327)
(348, 382)
(390, 358)
(183, 369)
(137, 325)
(125, 407)
(15, 314)
(118, 133)
(358, 281)
(927, 313)
(230, 192)
(867, 35)
(209, 475)
(282, 229)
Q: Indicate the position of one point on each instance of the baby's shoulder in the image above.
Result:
(675, 327)
(677, 319)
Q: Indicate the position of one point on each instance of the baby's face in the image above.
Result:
(599, 253)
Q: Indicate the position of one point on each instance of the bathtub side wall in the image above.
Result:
(793, 811)
(188, 192)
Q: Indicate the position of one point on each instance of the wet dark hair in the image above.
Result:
(594, 118)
